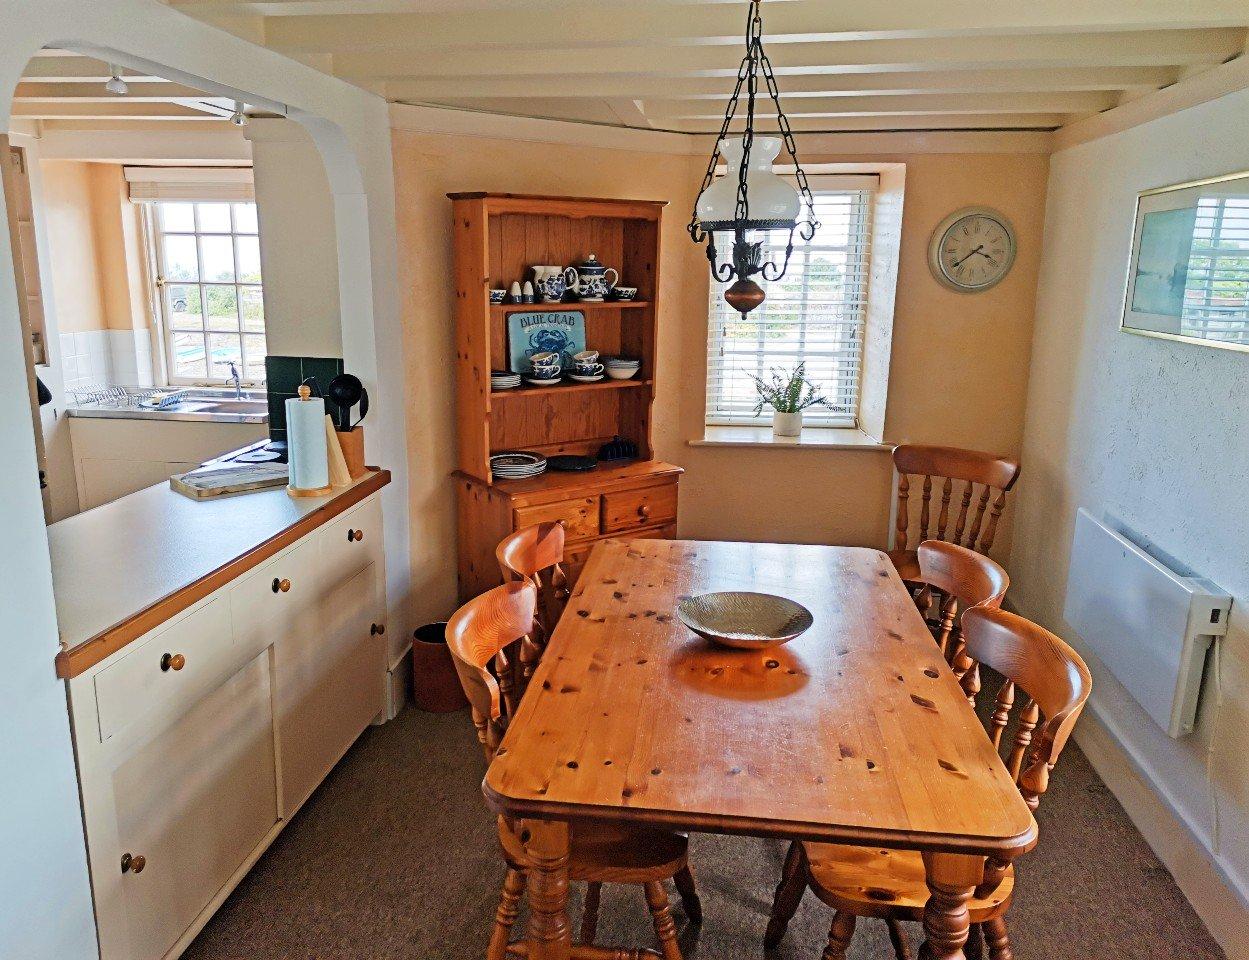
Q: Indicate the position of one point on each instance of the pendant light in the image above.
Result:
(115, 84)
(738, 211)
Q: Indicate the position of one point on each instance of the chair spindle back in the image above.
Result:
(974, 526)
(534, 554)
(486, 632)
(963, 579)
(1054, 684)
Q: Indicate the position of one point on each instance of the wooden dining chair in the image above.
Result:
(483, 637)
(890, 884)
(974, 526)
(958, 579)
(534, 554)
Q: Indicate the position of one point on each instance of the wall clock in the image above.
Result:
(972, 249)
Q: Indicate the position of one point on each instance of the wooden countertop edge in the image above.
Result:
(80, 658)
(1008, 847)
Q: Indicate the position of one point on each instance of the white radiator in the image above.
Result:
(1149, 624)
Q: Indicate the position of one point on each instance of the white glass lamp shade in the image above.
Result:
(772, 202)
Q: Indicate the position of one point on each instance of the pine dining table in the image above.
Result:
(856, 732)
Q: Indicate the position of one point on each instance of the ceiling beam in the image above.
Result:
(794, 86)
(118, 110)
(76, 70)
(797, 21)
(994, 121)
(1041, 51)
(1080, 103)
(139, 92)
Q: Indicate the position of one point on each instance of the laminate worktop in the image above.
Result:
(123, 568)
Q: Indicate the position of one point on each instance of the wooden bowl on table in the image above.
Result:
(745, 620)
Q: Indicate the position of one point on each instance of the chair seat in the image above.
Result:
(907, 564)
(871, 882)
(604, 854)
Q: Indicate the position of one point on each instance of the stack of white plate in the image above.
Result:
(622, 368)
(503, 380)
(517, 465)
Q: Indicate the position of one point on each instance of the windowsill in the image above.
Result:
(813, 438)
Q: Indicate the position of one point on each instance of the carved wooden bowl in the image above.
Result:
(749, 621)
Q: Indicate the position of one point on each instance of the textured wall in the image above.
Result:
(1152, 431)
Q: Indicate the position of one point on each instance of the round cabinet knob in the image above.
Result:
(355, 536)
(281, 585)
(377, 629)
(133, 864)
(644, 511)
(172, 661)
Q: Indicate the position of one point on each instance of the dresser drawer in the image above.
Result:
(646, 507)
(184, 660)
(580, 516)
(269, 598)
(351, 542)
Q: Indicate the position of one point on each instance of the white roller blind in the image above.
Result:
(815, 313)
(222, 184)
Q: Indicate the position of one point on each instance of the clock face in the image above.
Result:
(972, 249)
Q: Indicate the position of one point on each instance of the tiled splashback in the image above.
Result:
(284, 375)
(97, 358)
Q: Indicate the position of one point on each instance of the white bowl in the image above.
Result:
(622, 373)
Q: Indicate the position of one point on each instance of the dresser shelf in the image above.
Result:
(606, 305)
(572, 387)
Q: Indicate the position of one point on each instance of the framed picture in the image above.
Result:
(554, 331)
(1188, 276)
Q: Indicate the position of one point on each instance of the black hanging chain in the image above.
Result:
(755, 62)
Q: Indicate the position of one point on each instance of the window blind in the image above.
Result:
(1216, 290)
(224, 184)
(813, 314)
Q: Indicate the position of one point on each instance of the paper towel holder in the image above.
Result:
(305, 396)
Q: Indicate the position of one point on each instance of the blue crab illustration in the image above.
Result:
(546, 339)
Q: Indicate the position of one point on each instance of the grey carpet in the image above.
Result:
(395, 858)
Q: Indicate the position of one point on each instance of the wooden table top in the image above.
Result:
(856, 732)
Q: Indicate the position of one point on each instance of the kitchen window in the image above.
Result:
(208, 287)
(815, 314)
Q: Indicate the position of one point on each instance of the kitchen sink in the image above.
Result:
(242, 408)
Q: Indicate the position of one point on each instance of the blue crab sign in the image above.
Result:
(561, 331)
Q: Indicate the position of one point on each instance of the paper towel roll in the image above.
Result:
(305, 445)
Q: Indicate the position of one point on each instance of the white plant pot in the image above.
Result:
(786, 424)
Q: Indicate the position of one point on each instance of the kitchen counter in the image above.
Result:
(123, 568)
(192, 406)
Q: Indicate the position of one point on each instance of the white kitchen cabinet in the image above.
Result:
(198, 741)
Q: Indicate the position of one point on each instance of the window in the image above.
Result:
(208, 283)
(1216, 289)
(814, 314)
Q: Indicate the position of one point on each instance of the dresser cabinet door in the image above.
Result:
(193, 802)
(330, 684)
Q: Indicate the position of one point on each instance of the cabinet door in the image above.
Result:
(194, 801)
(330, 685)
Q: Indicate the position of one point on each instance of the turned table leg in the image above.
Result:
(952, 880)
(546, 844)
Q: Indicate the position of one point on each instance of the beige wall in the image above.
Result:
(959, 369)
(958, 374)
(94, 247)
(1155, 433)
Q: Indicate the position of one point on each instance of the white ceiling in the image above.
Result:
(670, 64)
(62, 87)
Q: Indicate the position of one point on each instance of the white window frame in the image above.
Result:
(160, 288)
(815, 418)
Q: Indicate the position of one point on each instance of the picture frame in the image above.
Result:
(1188, 269)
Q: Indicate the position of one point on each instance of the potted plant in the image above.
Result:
(788, 393)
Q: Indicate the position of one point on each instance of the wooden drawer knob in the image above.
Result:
(133, 864)
(172, 661)
(354, 536)
(377, 629)
(281, 585)
(644, 511)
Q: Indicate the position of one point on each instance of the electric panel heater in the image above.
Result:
(1149, 624)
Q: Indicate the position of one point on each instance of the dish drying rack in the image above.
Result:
(151, 398)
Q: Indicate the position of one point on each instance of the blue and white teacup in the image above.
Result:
(587, 368)
(585, 356)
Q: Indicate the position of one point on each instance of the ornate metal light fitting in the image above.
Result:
(756, 200)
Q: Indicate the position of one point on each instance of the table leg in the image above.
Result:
(952, 880)
(550, 933)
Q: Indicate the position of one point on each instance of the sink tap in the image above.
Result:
(236, 380)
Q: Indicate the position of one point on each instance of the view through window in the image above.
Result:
(209, 286)
(814, 314)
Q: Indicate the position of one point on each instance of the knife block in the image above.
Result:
(352, 442)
